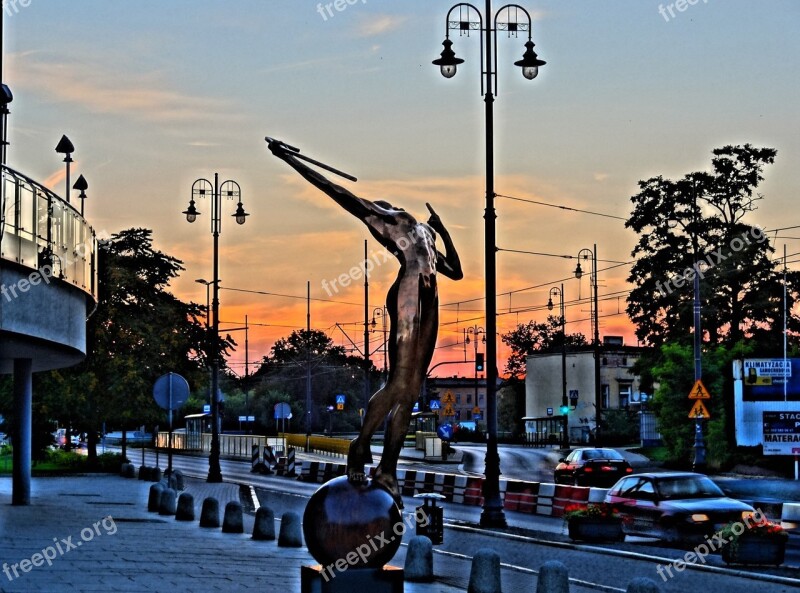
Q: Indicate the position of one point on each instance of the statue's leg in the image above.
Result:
(396, 429)
(359, 453)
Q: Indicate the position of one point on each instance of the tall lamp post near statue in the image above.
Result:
(595, 316)
(488, 24)
(203, 188)
(563, 322)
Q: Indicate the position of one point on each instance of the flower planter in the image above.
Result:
(595, 529)
(754, 550)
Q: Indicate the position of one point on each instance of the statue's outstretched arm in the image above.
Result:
(448, 264)
(356, 206)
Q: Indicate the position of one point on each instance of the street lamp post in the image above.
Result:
(381, 312)
(475, 331)
(492, 515)
(595, 316)
(66, 148)
(699, 463)
(203, 188)
(208, 284)
(563, 322)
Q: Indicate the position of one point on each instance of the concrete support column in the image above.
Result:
(23, 402)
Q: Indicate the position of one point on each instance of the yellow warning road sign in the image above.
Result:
(448, 398)
(699, 410)
(699, 391)
(476, 410)
(448, 410)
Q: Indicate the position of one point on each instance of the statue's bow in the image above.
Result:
(296, 153)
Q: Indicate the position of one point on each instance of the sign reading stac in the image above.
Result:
(781, 433)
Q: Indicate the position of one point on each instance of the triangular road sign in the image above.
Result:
(448, 398)
(699, 391)
(699, 411)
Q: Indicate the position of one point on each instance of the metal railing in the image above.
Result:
(41, 231)
(230, 445)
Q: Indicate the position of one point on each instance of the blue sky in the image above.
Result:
(157, 94)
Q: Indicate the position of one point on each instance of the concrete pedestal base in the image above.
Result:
(318, 579)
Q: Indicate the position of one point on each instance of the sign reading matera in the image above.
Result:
(781, 433)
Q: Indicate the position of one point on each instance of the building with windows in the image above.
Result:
(620, 387)
(469, 397)
(48, 288)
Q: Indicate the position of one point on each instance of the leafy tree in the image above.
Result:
(741, 285)
(282, 377)
(138, 332)
(674, 375)
(532, 337)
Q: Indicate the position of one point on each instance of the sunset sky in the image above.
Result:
(157, 94)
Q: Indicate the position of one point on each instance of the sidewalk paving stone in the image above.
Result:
(100, 537)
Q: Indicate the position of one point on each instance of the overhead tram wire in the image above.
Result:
(560, 207)
(606, 261)
(291, 296)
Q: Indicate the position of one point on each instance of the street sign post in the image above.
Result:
(170, 392)
(282, 412)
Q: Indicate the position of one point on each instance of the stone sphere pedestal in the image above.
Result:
(352, 530)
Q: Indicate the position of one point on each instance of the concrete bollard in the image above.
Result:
(264, 527)
(484, 576)
(155, 475)
(155, 497)
(172, 481)
(209, 514)
(643, 585)
(168, 503)
(233, 522)
(185, 510)
(553, 578)
(419, 559)
(144, 472)
(128, 470)
(180, 483)
(290, 534)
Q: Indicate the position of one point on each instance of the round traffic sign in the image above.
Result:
(445, 432)
(171, 391)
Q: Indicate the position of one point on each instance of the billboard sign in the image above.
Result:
(781, 433)
(766, 379)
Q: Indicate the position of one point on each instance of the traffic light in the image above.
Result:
(479, 361)
(564, 410)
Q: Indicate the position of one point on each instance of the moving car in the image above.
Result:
(592, 467)
(674, 506)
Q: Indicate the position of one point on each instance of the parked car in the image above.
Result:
(674, 506)
(592, 467)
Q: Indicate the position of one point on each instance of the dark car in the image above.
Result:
(592, 467)
(674, 506)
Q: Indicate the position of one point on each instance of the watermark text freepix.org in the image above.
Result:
(373, 544)
(59, 548)
(325, 9)
(713, 543)
(11, 7)
(679, 5)
(375, 259)
(703, 265)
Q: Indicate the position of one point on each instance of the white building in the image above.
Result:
(620, 387)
